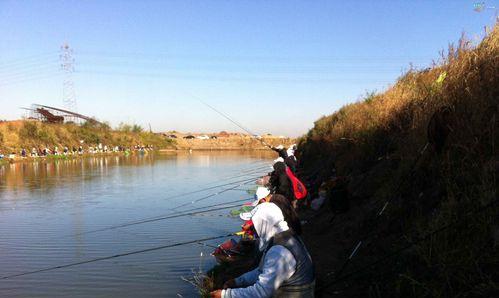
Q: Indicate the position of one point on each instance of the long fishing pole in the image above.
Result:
(209, 196)
(211, 187)
(178, 214)
(116, 256)
(230, 119)
(188, 212)
(418, 240)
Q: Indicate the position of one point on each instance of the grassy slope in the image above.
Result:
(376, 144)
(28, 134)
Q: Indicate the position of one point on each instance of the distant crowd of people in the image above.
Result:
(73, 151)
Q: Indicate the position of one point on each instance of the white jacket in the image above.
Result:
(278, 264)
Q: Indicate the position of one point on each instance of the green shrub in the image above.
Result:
(137, 128)
(29, 131)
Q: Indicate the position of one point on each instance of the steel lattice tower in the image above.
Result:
(67, 66)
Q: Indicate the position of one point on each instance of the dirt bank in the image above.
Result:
(28, 134)
(420, 165)
(232, 142)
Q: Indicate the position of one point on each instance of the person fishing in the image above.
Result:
(281, 151)
(289, 213)
(280, 182)
(291, 160)
(285, 269)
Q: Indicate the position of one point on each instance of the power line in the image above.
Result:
(42, 69)
(30, 65)
(236, 78)
(28, 59)
(30, 79)
(266, 59)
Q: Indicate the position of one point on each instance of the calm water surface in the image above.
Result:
(46, 208)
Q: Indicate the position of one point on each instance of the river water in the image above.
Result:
(48, 211)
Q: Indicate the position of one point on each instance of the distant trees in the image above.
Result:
(135, 128)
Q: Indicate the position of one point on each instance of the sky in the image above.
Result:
(273, 66)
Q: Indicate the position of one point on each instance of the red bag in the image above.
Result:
(298, 187)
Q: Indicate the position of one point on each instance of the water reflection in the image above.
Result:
(47, 174)
(42, 201)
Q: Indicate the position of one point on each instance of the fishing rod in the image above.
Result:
(209, 196)
(231, 120)
(250, 172)
(189, 212)
(116, 256)
(224, 250)
(378, 214)
(418, 240)
(211, 187)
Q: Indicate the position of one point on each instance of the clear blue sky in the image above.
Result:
(275, 66)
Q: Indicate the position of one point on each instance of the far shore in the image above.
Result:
(20, 159)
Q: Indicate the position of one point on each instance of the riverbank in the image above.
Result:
(232, 142)
(419, 166)
(20, 159)
(410, 185)
(35, 136)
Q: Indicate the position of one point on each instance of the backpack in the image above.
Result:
(299, 188)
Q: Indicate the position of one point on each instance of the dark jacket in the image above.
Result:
(291, 163)
(280, 182)
(282, 152)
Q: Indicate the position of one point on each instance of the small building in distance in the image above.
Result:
(223, 134)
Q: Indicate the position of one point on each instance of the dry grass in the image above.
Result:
(457, 174)
(15, 135)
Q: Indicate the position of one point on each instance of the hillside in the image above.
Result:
(420, 165)
(229, 141)
(15, 135)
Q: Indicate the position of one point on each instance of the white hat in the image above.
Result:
(262, 192)
(279, 159)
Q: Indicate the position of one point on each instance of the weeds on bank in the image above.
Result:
(457, 174)
(28, 134)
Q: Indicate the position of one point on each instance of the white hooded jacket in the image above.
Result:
(278, 263)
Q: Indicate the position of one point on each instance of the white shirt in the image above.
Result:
(278, 266)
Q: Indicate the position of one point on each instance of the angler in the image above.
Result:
(280, 183)
(286, 268)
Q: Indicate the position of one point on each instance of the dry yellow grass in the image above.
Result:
(27, 134)
(453, 107)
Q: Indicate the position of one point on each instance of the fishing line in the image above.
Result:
(212, 187)
(188, 212)
(168, 216)
(224, 250)
(378, 214)
(230, 119)
(209, 196)
(411, 244)
(116, 256)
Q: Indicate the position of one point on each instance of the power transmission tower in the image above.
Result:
(67, 66)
